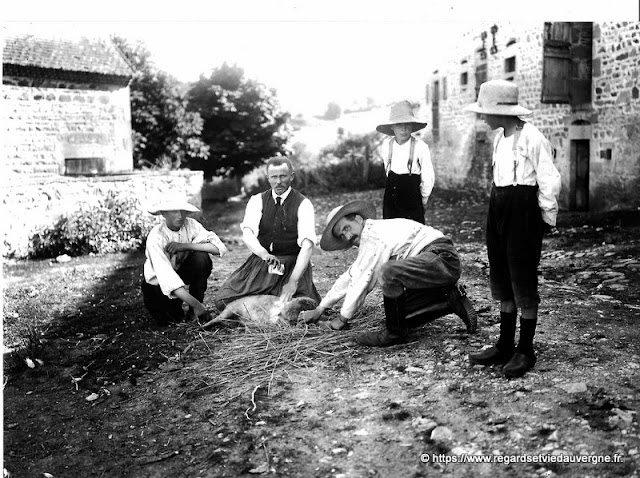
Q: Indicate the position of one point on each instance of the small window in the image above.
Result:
(464, 78)
(510, 65)
(510, 68)
(605, 153)
(444, 88)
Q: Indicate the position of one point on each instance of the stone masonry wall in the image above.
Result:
(31, 203)
(615, 182)
(459, 159)
(45, 126)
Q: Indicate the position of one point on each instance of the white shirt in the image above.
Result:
(381, 240)
(306, 217)
(533, 164)
(160, 267)
(421, 163)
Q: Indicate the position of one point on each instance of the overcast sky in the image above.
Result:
(310, 52)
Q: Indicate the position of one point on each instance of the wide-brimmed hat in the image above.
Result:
(329, 242)
(173, 203)
(498, 97)
(401, 112)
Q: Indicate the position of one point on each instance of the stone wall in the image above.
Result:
(48, 125)
(615, 182)
(30, 203)
(462, 153)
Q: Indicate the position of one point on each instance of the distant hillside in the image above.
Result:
(317, 133)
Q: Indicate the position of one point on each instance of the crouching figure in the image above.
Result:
(416, 266)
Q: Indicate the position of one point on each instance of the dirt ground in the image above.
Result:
(93, 388)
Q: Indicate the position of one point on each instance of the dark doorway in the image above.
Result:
(579, 195)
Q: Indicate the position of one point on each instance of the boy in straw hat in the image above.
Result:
(407, 164)
(522, 206)
(416, 266)
(178, 263)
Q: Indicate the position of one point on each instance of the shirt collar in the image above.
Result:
(284, 196)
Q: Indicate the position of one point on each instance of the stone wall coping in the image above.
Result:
(21, 180)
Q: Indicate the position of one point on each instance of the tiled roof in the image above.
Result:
(86, 55)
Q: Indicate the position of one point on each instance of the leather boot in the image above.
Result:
(491, 356)
(519, 364)
(503, 351)
(394, 315)
(429, 313)
(462, 307)
(395, 331)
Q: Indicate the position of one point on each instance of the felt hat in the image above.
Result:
(329, 242)
(498, 97)
(401, 112)
(173, 203)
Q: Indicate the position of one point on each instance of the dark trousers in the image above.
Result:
(194, 271)
(435, 269)
(402, 197)
(422, 280)
(514, 244)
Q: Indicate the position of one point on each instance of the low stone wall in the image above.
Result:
(31, 203)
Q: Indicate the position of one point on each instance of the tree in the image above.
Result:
(333, 111)
(165, 134)
(243, 123)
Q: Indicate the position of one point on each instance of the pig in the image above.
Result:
(263, 310)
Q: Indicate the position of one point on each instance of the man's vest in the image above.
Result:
(278, 232)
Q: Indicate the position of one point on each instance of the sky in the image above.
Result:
(310, 52)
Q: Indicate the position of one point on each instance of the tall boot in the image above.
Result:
(503, 350)
(454, 301)
(462, 307)
(395, 331)
(524, 359)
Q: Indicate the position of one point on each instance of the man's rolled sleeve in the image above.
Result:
(252, 214)
(306, 222)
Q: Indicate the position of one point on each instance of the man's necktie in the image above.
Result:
(277, 220)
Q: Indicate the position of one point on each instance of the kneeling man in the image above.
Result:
(416, 266)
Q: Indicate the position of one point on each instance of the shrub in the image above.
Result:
(114, 224)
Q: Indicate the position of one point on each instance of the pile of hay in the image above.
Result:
(243, 359)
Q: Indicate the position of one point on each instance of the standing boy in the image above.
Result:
(407, 164)
(178, 263)
(523, 205)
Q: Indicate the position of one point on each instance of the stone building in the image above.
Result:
(67, 141)
(66, 106)
(581, 79)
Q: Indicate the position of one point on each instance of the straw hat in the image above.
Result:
(329, 242)
(401, 113)
(173, 203)
(498, 97)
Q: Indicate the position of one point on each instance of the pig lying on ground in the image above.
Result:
(262, 309)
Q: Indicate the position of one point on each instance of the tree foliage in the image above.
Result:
(165, 133)
(243, 123)
(332, 112)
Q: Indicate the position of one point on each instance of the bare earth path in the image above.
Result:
(111, 394)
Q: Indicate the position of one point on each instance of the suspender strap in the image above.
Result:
(412, 148)
(516, 137)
